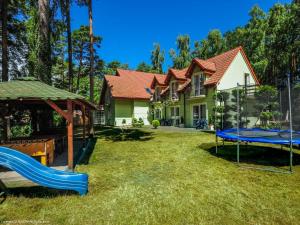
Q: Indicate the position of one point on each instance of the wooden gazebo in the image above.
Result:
(31, 94)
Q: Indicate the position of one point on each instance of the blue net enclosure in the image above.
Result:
(259, 114)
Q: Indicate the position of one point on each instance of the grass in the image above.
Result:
(158, 177)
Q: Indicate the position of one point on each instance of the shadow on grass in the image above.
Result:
(89, 149)
(253, 154)
(38, 192)
(128, 134)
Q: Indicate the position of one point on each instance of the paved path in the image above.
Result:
(174, 129)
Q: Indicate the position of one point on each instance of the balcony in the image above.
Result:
(198, 93)
(174, 96)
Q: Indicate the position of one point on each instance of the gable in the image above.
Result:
(236, 73)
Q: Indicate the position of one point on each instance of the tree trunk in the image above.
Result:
(63, 69)
(91, 64)
(44, 65)
(79, 68)
(68, 18)
(4, 4)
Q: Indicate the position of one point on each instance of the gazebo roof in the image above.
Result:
(27, 89)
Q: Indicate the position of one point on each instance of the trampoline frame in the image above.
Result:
(238, 138)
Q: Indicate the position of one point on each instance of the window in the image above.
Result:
(157, 94)
(157, 114)
(174, 111)
(175, 116)
(173, 90)
(199, 112)
(99, 117)
(198, 83)
(247, 79)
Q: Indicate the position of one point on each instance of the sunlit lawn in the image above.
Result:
(160, 177)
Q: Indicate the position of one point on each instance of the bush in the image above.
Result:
(155, 124)
(141, 122)
(137, 123)
(21, 131)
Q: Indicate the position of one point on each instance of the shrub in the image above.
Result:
(155, 124)
(134, 122)
(137, 123)
(21, 131)
(141, 122)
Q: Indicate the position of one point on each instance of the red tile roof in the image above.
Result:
(183, 86)
(164, 91)
(205, 65)
(131, 84)
(222, 62)
(139, 85)
(122, 72)
(159, 79)
(218, 65)
(178, 74)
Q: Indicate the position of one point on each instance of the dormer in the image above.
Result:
(175, 78)
(199, 71)
(158, 85)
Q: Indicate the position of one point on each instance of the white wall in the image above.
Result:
(235, 74)
(119, 121)
(141, 110)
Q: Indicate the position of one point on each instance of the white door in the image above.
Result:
(141, 112)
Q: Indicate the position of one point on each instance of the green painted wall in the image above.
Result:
(123, 111)
(123, 108)
(191, 101)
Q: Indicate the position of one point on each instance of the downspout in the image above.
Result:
(184, 108)
(153, 111)
(165, 111)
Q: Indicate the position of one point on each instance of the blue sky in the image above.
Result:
(130, 27)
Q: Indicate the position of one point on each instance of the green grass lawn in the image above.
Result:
(160, 177)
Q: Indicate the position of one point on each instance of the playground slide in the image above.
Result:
(42, 175)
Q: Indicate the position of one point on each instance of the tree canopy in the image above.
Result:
(40, 43)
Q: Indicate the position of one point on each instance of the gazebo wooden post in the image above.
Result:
(89, 126)
(84, 125)
(70, 135)
(69, 118)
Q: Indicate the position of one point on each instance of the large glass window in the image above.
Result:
(199, 112)
(157, 94)
(247, 79)
(173, 90)
(175, 116)
(199, 88)
(158, 114)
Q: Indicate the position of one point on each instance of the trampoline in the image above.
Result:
(251, 113)
(260, 135)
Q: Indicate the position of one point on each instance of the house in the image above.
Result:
(127, 95)
(188, 95)
(179, 98)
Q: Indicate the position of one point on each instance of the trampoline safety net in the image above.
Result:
(264, 111)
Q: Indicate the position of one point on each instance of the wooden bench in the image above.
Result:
(43, 148)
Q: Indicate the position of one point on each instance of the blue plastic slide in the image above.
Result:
(42, 175)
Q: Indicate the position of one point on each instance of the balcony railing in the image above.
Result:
(157, 98)
(174, 96)
(198, 92)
